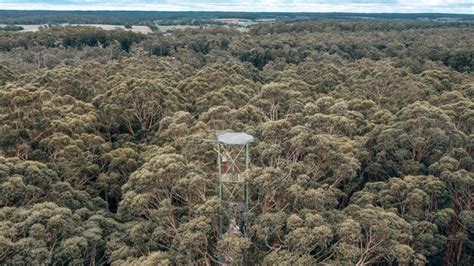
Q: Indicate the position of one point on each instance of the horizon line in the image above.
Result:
(223, 11)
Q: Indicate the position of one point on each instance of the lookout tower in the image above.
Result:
(232, 163)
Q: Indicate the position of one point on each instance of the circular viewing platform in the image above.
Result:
(234, 138)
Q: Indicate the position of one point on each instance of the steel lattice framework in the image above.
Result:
(233, 162)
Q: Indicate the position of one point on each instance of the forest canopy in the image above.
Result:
(363, 151)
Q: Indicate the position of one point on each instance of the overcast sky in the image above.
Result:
(401, 6)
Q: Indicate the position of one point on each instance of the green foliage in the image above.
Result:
(363, 150)
(11, 28)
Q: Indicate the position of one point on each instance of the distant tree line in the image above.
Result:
(11, 28)
(140, 17)
(350, 40)
(69, 36)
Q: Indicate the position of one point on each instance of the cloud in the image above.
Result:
(363, 6)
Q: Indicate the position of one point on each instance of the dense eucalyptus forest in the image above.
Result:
(363, 151)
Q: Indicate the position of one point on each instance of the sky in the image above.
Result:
(362, 6)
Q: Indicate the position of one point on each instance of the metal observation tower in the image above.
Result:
(232, 163)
